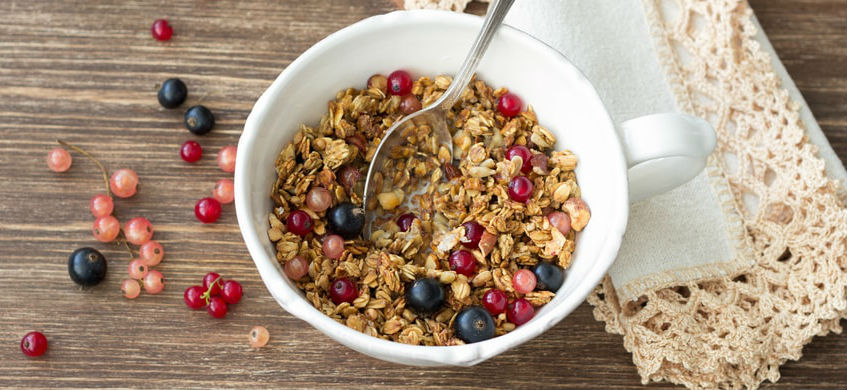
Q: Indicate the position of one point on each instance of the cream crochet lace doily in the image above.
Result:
(735, 332)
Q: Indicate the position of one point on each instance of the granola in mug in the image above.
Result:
(471, 256)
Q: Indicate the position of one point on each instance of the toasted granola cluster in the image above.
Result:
(472, 185)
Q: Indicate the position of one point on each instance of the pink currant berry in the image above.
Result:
(296, 268)
(151, 253)
(226, 158)
(217, 307)
(318, 199)
(106, 228)
(523, 281)
(130, 288)
(191, 151)
(154, 282)
(137, 269)
(138, 231)
(509, 105)
(333, 246)
(258, 337)
(124, 182)
(224, 191)
(231, 292)
(101, 205)
(34, 344)
(207, 210)
(560, 220)
(161, 30)
(59, 160)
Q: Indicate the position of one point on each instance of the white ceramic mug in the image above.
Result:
(657, 152)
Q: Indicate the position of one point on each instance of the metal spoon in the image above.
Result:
(435, 115)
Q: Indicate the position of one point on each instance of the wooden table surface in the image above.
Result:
(86, 72)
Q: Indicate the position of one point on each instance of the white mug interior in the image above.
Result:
(429, 43)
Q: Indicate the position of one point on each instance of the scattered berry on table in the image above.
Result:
(399, 83)
(213, 283)
(131, 288)
(207, 210)
(463, 262)
(258, 337)
(473, 233)
(318, 199)
(226, 158)
(410, 104)
(151, 253)
(137, 269)
(561, 221)
(59, 160)
(138, 231)
(161, 30)
(106, 228)
(520, 189)
(379, 82)
(172, 93)
(343, 290)
(548, 275)
(224, 191)
(190, 151)
(346, 220)
(425, 295)
(405, 221)
(87, 266)
(474, 324)
(217, 307)
(333, 246)
(299, 222)
(522, 152)
(154, 282)
(494, 301)
(519, 312)
(194, 297)
(296, 268)
(231, 292)
(123, 182)
(509, 105)
(523, 281)
(101, 205)
(34, 344)
(199, 120)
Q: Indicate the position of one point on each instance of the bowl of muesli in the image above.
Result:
(471, 251)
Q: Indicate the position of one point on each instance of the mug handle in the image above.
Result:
(664, 151)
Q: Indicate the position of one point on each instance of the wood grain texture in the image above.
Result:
(86, 72)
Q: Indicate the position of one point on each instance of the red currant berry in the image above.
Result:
(463, 262)
(523, 281)
(138, 231)
(399, 83)
(519, 312)
(473, 233)
(231, 292)
(522, 152)
(161, 30)
(191, 151)
(509, 105)
(194, 297)
(34, 344)
(217, 307)
(405, 221)
(215, 281)
(59, 160)
(207, 210)
(343, 290)
(101, 205)
(494, 301)
(520, 189)
(299, 222)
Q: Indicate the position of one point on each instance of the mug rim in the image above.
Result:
(297, 305)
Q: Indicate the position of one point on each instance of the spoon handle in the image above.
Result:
(497, 10)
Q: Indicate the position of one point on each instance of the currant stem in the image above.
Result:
(86, 154)
(122, 238)
(208, 294)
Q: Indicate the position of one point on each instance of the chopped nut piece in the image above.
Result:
(578, 211)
